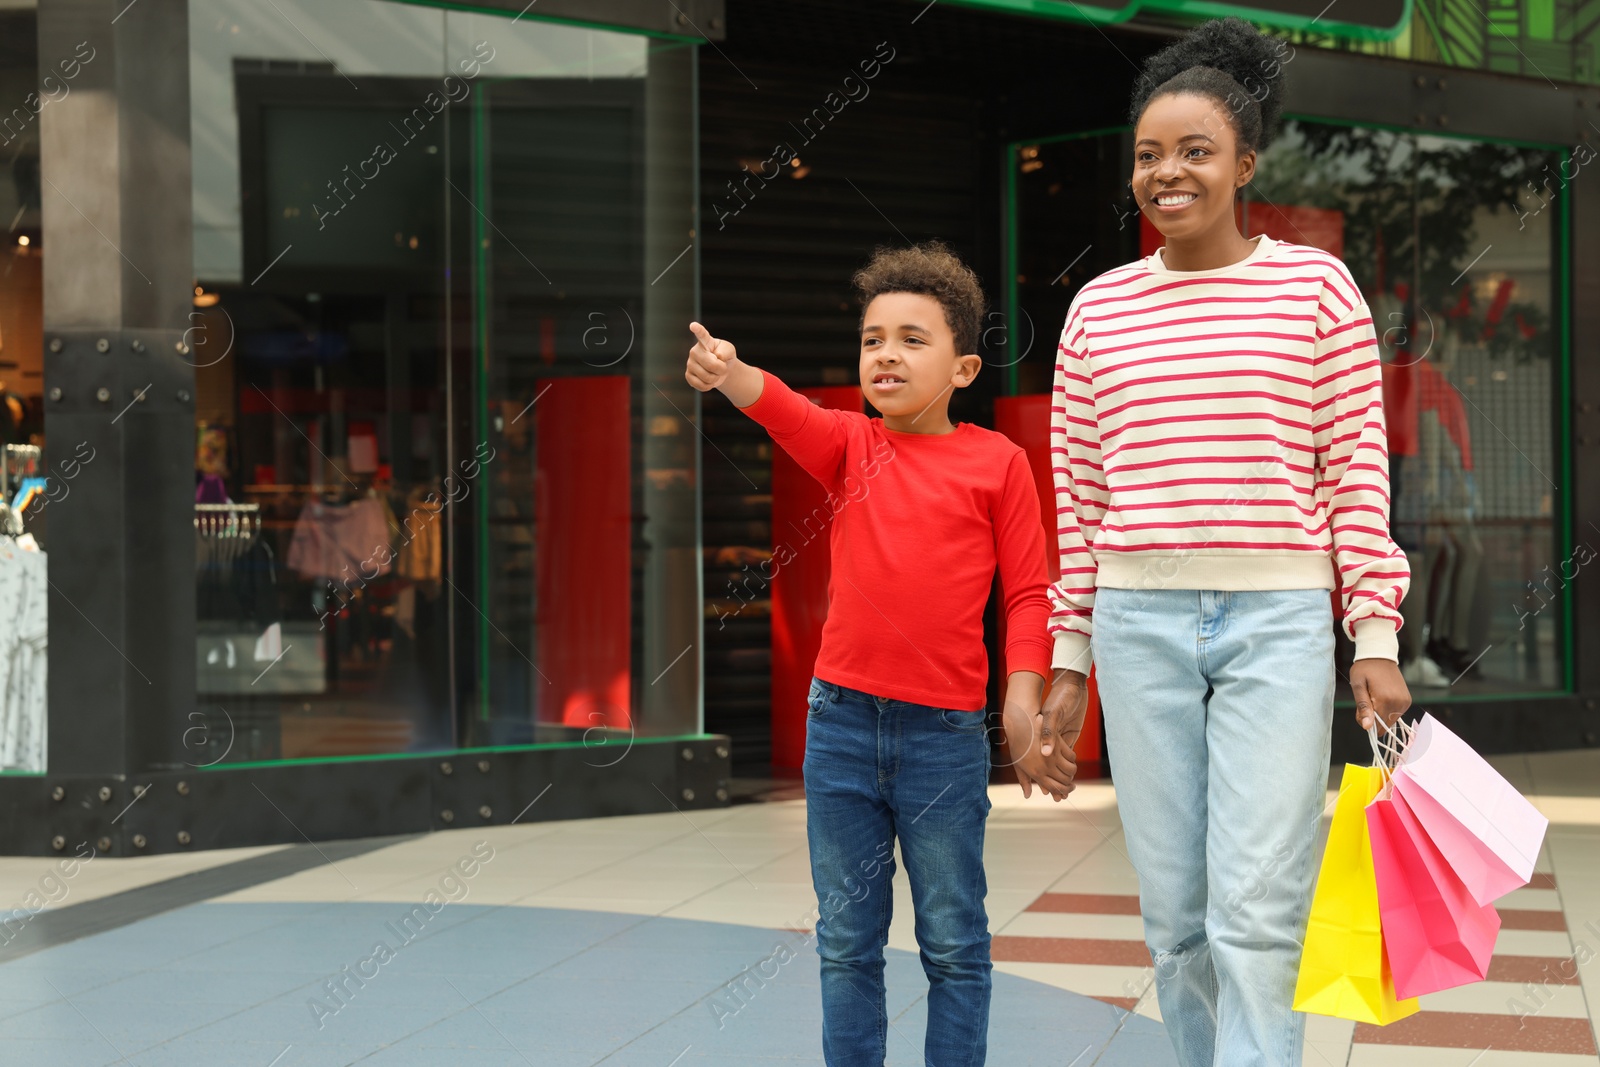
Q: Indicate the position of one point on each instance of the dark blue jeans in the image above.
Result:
(877, 769)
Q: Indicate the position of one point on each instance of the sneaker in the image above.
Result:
(1425, 673)
(1457, 661)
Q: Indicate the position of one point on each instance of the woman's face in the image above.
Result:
(1186, 166)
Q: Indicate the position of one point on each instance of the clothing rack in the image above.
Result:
(228, 526)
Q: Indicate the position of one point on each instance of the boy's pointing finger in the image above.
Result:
(704, 336)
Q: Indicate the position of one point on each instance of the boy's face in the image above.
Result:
(909, 362)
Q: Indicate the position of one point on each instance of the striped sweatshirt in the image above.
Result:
(1223, 429)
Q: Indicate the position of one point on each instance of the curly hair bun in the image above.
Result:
(1251, 84)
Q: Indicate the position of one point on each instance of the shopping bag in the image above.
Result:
(1436, 935)
(1489, 832)
(1344, 970)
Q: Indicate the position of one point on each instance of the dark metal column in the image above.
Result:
(1583, 228)
(118, 387)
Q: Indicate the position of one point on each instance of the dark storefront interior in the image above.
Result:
(970, 103)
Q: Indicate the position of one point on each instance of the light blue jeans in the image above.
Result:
(1218, 713)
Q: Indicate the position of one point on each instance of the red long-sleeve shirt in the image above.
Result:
(917, 525)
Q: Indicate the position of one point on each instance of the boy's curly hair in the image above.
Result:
(930, 269)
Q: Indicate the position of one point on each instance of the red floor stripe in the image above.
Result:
(1525, 919)
(1088, 903)
(1540, 970)
(1503, 1033)
(1125, 1003)
(1012, 949)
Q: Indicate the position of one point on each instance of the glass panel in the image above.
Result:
(1454, 243)
(1070, 225)
(423, 244)
(27, 87)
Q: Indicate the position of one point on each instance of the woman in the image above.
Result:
(1220, 465)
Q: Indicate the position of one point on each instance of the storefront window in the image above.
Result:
(25, 91)
(445, 495)
(1455, 244)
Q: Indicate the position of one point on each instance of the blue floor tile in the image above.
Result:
(219, 984)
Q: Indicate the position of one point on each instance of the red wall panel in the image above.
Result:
(1026, 420)
(582, 547)
(799, 588)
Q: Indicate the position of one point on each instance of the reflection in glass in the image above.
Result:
(1453, 243)
(1453, 247)
(423, 249)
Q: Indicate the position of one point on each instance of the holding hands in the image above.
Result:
(1041, 739)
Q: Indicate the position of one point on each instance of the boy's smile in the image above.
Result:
(909, 363)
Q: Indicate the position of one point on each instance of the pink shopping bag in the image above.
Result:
(1489, 833)
(1437, 936)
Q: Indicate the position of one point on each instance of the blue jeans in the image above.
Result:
(877, 769)
(1218, 709)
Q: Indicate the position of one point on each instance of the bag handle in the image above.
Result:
(1388, 751)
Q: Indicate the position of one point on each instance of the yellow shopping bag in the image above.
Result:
(1344, 969)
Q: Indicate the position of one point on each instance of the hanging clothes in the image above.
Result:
(348, 542)
(422, 537)
(24, 640)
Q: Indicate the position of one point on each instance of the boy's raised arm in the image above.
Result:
(715, 364)
(813, 435)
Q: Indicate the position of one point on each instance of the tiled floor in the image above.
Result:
(670, 940)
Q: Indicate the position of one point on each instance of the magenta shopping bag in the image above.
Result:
(1436, 935)
(1487, 831)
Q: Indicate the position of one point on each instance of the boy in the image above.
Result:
(923, 511)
